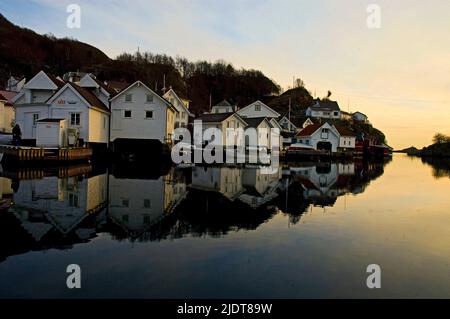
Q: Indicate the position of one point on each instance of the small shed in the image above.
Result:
(51, 133)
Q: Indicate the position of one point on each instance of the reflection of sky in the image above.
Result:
(400, 222)
(398, 75)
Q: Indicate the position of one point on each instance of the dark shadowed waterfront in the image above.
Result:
(307, 230)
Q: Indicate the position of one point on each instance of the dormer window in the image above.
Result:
(149, 98)
(128, 97)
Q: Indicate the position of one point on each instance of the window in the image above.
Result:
(257, 107)
(307, 142)
(149, 98)
(336, 113)
(148, 114)
(35, 118)
(128, 97)
(104, 122)
(146, 219)
(127, 114)
(125, 218)
(125, 202)
(75, 119)
(146, 203)
(183, 115)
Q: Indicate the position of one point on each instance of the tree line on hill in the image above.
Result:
(23, 53)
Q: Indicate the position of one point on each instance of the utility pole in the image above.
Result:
(289, 114)
(164, 84)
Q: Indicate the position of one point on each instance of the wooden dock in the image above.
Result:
(37, 154)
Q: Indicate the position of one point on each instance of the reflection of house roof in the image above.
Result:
(306, 182)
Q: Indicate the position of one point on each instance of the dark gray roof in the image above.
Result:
(214, 117)
(325, 105)
(254, 122)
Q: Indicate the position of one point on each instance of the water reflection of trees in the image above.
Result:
(441, 166)
(64, 207)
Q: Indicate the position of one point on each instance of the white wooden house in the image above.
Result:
(223, 107)
(287, 125)
(320, 136)
(83, 111)
(138, 113)
(262, 128)
(223, 121)
(324, 109)
(31, 103)
(347, 139)
(257, 109)
(182, 106)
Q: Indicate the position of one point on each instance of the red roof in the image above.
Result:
(9, 95)
(89, 97)
(344, 131)
(310, 129)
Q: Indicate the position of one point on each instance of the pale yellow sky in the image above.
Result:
(399, 75)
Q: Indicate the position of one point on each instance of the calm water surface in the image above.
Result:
(304, 231)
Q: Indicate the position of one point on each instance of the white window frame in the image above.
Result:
(73, 116)
(130, 96)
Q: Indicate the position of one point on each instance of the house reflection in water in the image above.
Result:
(59, 203)
(320, 184)
(72, 205)
(261, 185)
(137, 204)
(323, 183)
(221, 179)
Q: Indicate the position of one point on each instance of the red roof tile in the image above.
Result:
(310, 129)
